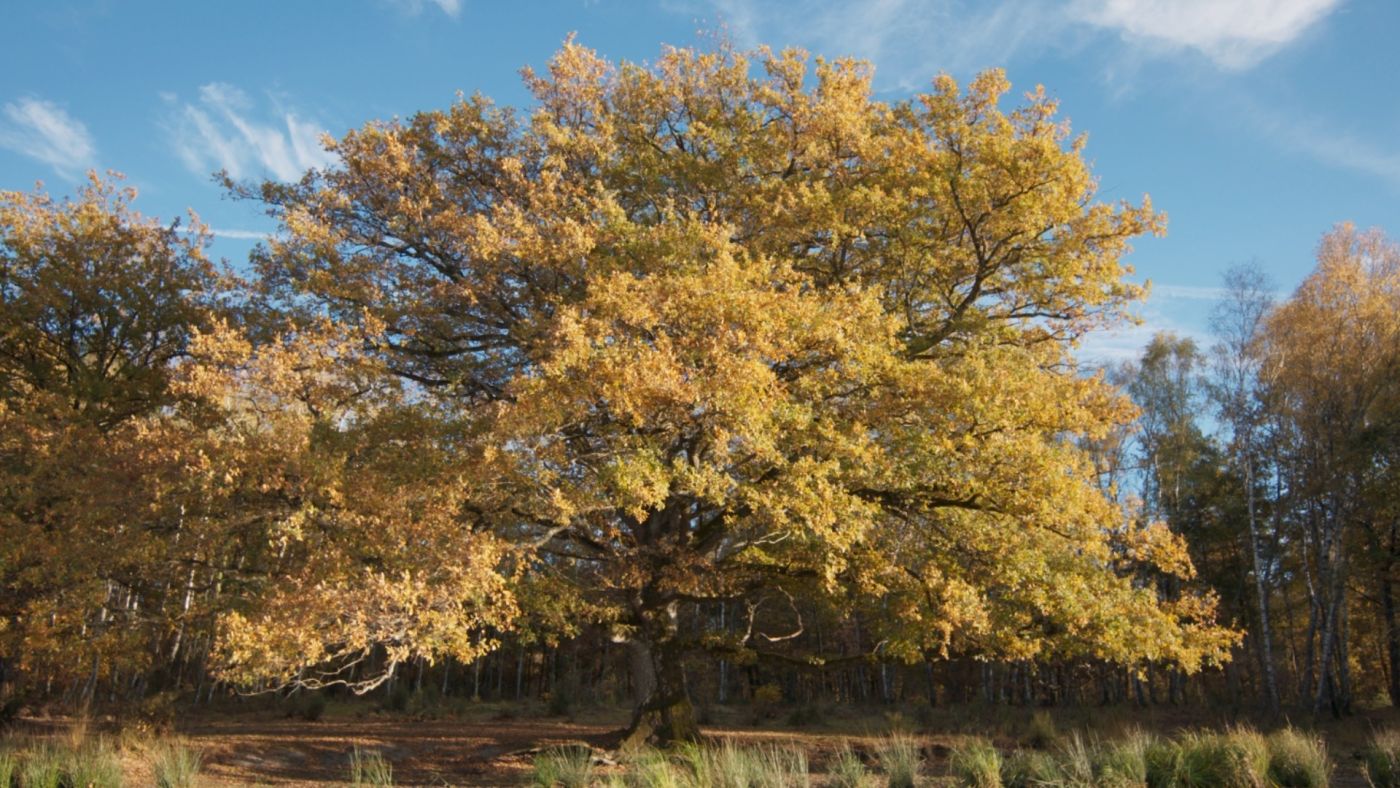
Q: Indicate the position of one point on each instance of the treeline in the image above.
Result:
(701, 383)
(1273, 451)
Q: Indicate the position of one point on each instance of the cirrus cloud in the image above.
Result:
(912, 39)
(225, 130)
(452, 8)
(44, 131)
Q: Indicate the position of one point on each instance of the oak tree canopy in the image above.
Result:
(726, 328)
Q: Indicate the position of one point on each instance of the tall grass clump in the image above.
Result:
(847, 770)
(732, 765)
(899, 759)
(1025, 769)
(779, 767)
(368, 767)
(1123, 763)
(1162, 762)
(1381, 759)
(1234, 759)
(698, 761)
(41, 767)
(652, 768)
(176, 764)
(647, 767)
(977, 765)
(91, 764)
(1077, 762)
(568, 767)
(1298, 760)
(7, 769)
(723, 765)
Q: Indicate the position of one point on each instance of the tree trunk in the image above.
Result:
(1266, 643)
(1392, 638)
(1323, 694)
(663, 712)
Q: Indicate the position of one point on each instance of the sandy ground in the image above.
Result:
(495, 746)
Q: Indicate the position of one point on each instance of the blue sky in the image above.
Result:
(1255, 124)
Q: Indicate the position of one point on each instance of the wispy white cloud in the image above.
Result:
(239, 235)
(1235, 34)
(1127, 342)
(44, 131)
(452, 8)
(1189, 292)
(1178, 309)
(910, 40)
(1327, 144)
(225, 130)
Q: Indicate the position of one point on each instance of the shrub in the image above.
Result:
(1298, 760)
(561, 702)
(368, 767)
(1040, 731)
(768, 694)
(899, 759)
(896, 722)
(847, 770)
(156, 713)
(569, 767)
(976, 765)
(1028, 769)
(765, 702)
(925, 716)
(9, 711)
(176, 764)
(398, 698)
(312, 707)
(1381, 759)
(805, 716)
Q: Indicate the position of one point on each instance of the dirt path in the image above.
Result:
(450, 752)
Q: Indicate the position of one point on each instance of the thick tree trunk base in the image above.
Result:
(661, 726)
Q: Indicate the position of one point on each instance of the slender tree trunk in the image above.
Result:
(1266, 643)
(1343, 661)
(723, 663)
(1322, 694)
(1315, 607)
(1392, 638)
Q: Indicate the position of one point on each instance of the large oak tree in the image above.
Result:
(727, 328)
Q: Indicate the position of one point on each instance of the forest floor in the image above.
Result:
(495, 744)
